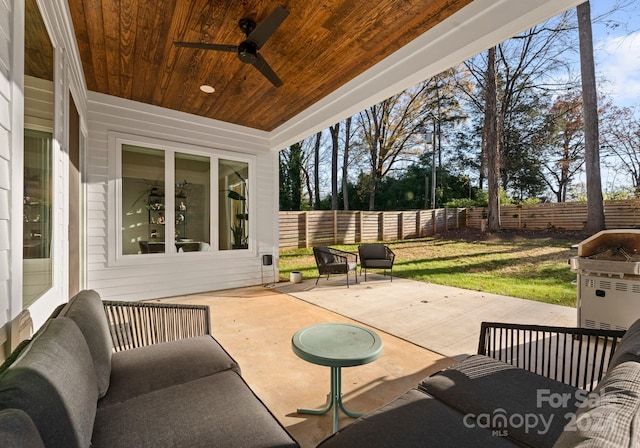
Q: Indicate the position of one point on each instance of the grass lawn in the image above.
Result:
(529, 265)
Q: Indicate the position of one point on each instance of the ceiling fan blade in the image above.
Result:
(267, 71)
(267, 27)
(203, 46)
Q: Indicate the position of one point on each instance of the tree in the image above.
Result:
(595, 204)
(390, 130)
(621, 136)
(345, 163)
(316, 172)
(491, 142)
(291, 178)
(335, 146)
(563, 138)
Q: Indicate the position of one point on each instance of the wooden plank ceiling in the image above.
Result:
(127, 51)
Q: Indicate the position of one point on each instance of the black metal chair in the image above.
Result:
(334, 261)
(376, 256)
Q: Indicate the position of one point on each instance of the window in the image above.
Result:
(37, 226)
(167, 205)
(143, 200)
(193, 202)
(233, 213)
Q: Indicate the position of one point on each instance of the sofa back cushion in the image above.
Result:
(53, 381)
(87, 311)
(629, 348)
(609, 417)
(18, 431)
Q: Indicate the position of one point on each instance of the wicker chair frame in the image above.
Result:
(137, 324)
(575, 356)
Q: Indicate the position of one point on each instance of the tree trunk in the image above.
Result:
(595, 205)
(316, 172)
(345, 163)
(335, 145)
(372, 192)
(492, 142)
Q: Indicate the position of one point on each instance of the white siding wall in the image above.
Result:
(6, 94)
(170, 275)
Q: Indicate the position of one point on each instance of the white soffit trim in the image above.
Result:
(478, 26)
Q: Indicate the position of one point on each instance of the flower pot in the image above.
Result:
(295, 276)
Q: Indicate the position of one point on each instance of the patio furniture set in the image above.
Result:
(121, 374)
(104, 373)
(372, 256)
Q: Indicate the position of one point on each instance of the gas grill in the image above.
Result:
(608, 279)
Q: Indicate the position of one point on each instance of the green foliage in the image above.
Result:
(290, 168)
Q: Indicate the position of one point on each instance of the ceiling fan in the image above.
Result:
(257, 36)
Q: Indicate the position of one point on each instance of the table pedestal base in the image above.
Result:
(335, 400)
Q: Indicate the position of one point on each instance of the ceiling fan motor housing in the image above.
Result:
(247, 52)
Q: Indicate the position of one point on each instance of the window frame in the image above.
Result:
(116, 141)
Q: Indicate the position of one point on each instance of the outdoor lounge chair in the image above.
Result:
(376, 256)
(334, 261)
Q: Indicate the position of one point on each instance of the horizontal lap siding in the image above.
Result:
(6, 18)
(182, 273)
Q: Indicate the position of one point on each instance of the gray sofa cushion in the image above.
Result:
(53, 381)
(215, 411)
(145, 369)
(480, 385)
(18, 431)
(610, 417)
(87, 311)
(414, 420)
(629, 348)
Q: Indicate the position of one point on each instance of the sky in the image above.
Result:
(617, 53)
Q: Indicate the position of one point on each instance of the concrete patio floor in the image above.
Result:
(423, 328)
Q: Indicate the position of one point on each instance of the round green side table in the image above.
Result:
(336, 345)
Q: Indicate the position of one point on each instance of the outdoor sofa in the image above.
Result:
(122, 374)
(533, 386)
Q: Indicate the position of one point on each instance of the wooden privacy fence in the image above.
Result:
(326, 227)
(621, 214)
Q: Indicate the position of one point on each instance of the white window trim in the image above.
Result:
(114, 220)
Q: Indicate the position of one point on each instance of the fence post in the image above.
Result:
(335, 227)
(360, 219)
(435, 221)
(446, 219)
(401, 225)
(381, 226)
(418, 222)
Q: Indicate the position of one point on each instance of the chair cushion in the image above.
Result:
(629, 348)
(87, 311)
(18, 431)
(480, 385)
(215, 411)
(378, 264)
(415, 419)
(54, 382)
(610, 416)
(145, 369)
(369, 251)
(325, 254)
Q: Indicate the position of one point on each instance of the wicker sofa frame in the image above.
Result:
(520, 372)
